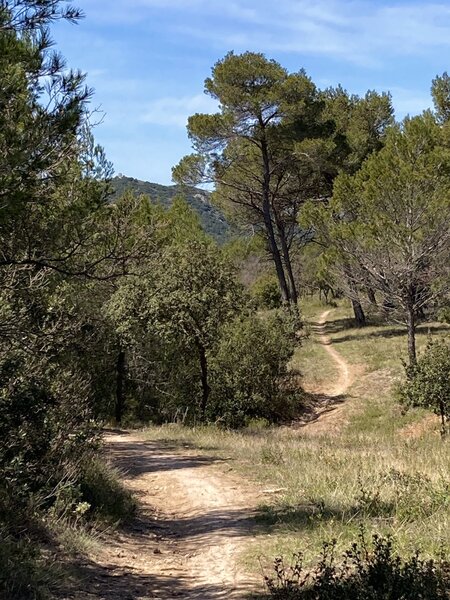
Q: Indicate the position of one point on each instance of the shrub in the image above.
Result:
(367, 572)
(24, 574)
(101, 488)
(250, 376)
(266, 292)
(428, 382)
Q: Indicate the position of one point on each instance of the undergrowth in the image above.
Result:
(367, 571)
(33, 564)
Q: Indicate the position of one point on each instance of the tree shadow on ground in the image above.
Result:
(92, 581)
(385, 333)
(315, 406)
(135, 458)
(309, 516)
(332, 326)
(217, 522)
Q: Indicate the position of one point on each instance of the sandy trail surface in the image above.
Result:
(194, 520)
(331, 405)
(346, 374)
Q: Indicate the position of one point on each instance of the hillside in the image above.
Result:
(212, 220)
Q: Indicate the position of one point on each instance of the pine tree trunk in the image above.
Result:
(443, 418)
(293, 294)
(360, 317)
(273, 246)
(120, 387)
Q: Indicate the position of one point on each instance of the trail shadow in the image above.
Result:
(392, 332)
(315, 406)
(332, 326)
(228, 523)
(307, 517)
(136, 458)
(101, 582)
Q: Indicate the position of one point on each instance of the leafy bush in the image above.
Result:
(45, 429)
(428, 382)
(443, 312)
(367, 572)
(266, 292)
(250, 375)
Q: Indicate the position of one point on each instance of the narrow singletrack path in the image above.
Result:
(346, 374)
(194, 520)
(331, 404)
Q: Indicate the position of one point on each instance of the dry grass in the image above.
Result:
(386, 470)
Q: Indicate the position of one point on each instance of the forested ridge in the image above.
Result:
(212, 220)
(129, 304)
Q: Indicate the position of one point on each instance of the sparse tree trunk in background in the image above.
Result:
(420, 312)
(388, 305)
(360, 317)
(371, 296)
(120, 386)
(411, 324)
(204, 379)
(443, 418)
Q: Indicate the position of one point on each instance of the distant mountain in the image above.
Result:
(212, 220)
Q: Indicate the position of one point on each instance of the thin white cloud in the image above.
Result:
(358, 31)
(174, 112)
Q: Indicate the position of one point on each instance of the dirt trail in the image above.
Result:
(195, 517)
(194, 521)
(346, 375)
(330, 410)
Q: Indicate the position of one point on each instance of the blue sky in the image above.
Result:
(147, 60)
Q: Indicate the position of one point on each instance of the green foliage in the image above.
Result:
(24, 573)
(367, 572)
(212, 220)
(440, 91)
(398, 248)
(266, 292)
(40, 405)
(99, 486)
(170, 319)
(250, 378)
(428, 382)
(360, 124)
(263, 150)
(444, 312)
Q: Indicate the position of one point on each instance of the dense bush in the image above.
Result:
(428, 382)
(250, 377)
(266, 292)
(45, 430)
(367, 572)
